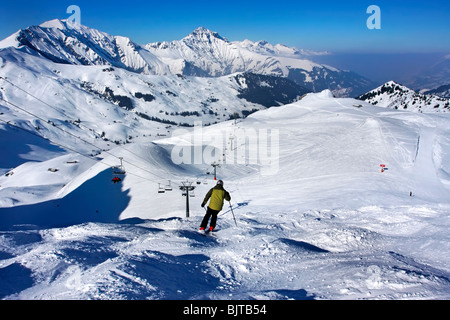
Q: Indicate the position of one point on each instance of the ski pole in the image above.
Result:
(231, 207)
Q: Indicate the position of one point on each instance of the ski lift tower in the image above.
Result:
(186, 187)
(215, 165)
(120, 169)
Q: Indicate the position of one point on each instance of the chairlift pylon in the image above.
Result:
(120, 170)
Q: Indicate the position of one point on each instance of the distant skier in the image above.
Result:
(218, 195)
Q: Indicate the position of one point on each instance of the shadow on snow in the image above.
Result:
(97, 200)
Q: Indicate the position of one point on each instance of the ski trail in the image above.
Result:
(425, 172)
(385, 134)
(388, 138)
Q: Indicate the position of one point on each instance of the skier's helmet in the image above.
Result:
(220, 183)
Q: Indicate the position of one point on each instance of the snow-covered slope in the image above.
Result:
(317, 217)
(395, 96)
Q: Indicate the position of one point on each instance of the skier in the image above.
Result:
(217, 194)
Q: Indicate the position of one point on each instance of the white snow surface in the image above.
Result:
(324, 223)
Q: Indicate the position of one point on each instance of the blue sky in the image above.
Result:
(337, 26)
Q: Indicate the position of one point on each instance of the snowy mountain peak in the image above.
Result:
(54, 24)
(393, 83)
(396, 96)
(202, 33)
(64, 25)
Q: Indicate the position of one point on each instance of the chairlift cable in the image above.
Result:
(31, 95)
(45, 103)
(73, 135)
(72, 149)
(106, 151)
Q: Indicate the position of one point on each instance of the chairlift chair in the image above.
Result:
(161, 190)
(119, 171)
(169, 186)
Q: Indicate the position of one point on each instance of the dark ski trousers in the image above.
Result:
(210, 213)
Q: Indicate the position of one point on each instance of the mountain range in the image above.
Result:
(202, 53)
(114, 91)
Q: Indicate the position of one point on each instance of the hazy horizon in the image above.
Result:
(383, 67)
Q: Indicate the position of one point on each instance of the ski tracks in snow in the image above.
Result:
(308, 255)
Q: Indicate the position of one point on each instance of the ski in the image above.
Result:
(206, 233)
(210, 234)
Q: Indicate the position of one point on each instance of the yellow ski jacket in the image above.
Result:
(218, 195)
